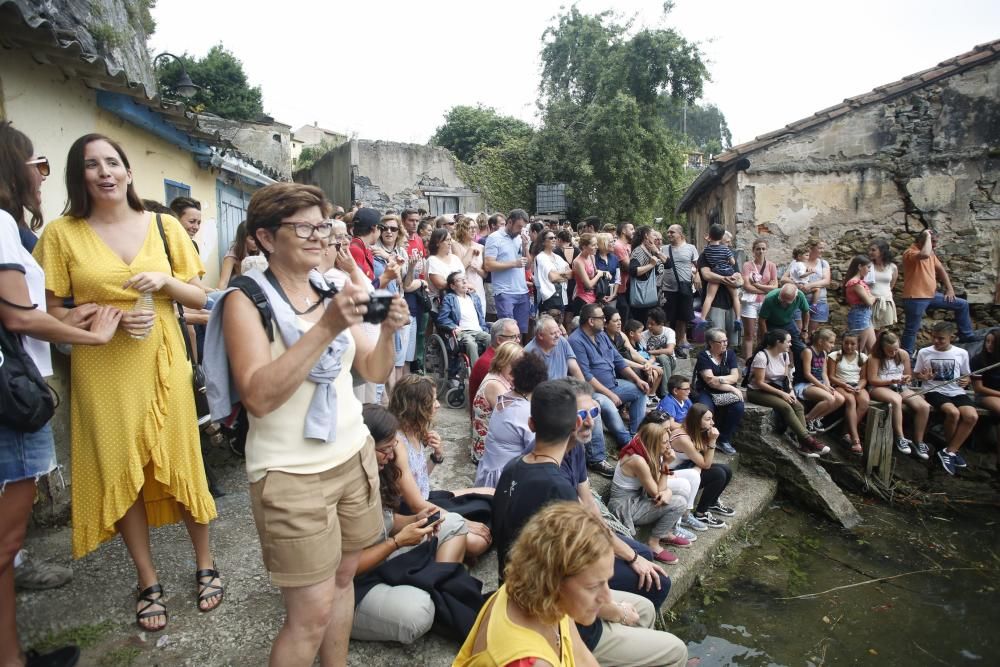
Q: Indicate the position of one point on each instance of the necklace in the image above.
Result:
(551, 458)
(310, 305)
(558, 643)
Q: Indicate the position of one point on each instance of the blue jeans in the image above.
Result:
(596, 449)
(25, 455)
(727, 417)
(625, 578)
(516, 306)
(636, 402)
(914, 310)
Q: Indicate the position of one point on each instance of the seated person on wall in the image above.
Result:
(945, 370)
(677, 402)
(889, 373)
(400, 613)
(716, 381)
(813, 382)
(626, 339)
(463, 315)
(621, 633)
(845, 368)
(987, 383)
(508, 435)
(659, 341)
(601, 366)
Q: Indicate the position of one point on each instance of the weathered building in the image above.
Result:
(385, 174)
(265, 143)
(920, 152)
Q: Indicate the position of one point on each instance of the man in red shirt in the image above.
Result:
(365, 231)
(503, 330)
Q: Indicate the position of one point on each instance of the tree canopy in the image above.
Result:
(468, 129)
(225, 90)
(701, 126)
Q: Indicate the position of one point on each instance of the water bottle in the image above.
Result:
(143, 303)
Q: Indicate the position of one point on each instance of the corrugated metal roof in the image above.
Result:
(981, 53)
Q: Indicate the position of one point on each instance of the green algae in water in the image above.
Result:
(735, 617)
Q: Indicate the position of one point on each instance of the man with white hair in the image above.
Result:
(503, 330)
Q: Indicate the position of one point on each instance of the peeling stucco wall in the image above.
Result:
(928, 158)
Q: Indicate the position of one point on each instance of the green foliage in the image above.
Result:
(83, 636)
(503, 173)
(310, 155)
(467, 129)
(140, 14)
(225, 90)
(707, 130)
(123, 656)
(106, 37)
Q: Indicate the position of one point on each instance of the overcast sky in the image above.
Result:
(391, 69)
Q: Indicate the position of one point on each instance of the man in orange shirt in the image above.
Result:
(922, 271)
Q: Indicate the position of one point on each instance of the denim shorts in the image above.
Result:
(859, 318)
(26, 455)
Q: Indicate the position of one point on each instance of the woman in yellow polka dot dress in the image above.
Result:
(136, 453)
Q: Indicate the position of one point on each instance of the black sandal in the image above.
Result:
(207, 590)
(146, 596)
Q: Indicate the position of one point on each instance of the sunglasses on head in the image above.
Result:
(41, 164)
(592, 413)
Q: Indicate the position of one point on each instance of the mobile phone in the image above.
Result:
(432, 519)
(378, 307)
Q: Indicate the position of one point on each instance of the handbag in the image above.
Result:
(724, 398)
(602, 289)
(27, 403)
(642, 291)
(197, 373)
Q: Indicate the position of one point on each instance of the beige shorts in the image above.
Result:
(305, 522)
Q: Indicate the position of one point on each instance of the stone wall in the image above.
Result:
(928, 158)
(267, 145)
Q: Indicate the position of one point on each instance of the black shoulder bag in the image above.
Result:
(197, 374)
(27, 403)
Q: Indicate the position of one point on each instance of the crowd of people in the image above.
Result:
(314, 340)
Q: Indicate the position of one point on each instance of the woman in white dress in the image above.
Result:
(881, 280)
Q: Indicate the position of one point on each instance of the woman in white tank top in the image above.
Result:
(881, 279)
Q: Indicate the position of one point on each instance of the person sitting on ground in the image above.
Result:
(677, 402)
(770, 385)
(945, 370)
(717, 380)
(844, 368)
(508, 435)
(400, 613)
(814, 383)
(501, 331)
(694, 444)
(923, 271)
(462, 314)
(684, 482)
(986, 383)
(556, 577)
(888, 374)
(720, 260)
(496, 383)
(860, 299)
(639, 492)
(628, 341)
(601, 364)
(413, 401)
(659, 341)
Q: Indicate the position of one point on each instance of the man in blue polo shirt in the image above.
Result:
(505, 257)
(600, 364)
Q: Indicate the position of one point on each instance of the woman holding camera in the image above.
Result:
(310, 459)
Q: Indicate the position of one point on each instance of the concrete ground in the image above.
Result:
(96, 609)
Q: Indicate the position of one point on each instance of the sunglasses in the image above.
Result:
(41, 164)
(392, 230)
(592, 413)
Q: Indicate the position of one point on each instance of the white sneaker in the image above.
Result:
(923, 450)
(903, 445)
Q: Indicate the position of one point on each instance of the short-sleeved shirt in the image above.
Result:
(523, 489)
(597, 358)
(574, 466)
(775, 367)
(501, 247)
(622, 251)
(946, 366)
(719, 258)
(684, 257)
(762, 275)
(777, 314)
(722, 299)
(363, 257)
(919, 274)
(557, 361)
(705, 362)
(674, 408)
(659, 341)
(991, 378)
(851, 294)
(15, 257)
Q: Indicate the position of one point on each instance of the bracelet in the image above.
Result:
(395, 544)
(621, 607)
(437, 458)
(635, 557)
(711, 446)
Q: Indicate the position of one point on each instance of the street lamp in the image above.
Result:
(185, 87)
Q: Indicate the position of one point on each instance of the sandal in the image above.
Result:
(857, 449)
(207, 590)
(147, 598)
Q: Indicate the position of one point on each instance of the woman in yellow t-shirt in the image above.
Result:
(134, 431)
(556, 576)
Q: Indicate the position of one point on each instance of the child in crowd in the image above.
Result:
(677, 402)
(888, 375)
(945, 370)
(720, 260)
(659, 341)
(797, 271)
(632, 347)
(844, 368)
(814, 384)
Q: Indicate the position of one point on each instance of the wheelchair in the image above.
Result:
(442, 352)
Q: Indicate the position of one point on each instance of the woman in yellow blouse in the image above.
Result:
(135, 447)
(556, 576)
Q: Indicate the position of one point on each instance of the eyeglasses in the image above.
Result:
(596, 317)
(724, 341)
(592, 413)
(449, 224)
(684, 388)
(550, 238)
(305, 230)
(508, 336)
(391, 230)
(41, 164)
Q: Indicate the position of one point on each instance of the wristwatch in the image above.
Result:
(437, 458)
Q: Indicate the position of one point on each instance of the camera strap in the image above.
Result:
(322, 294)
